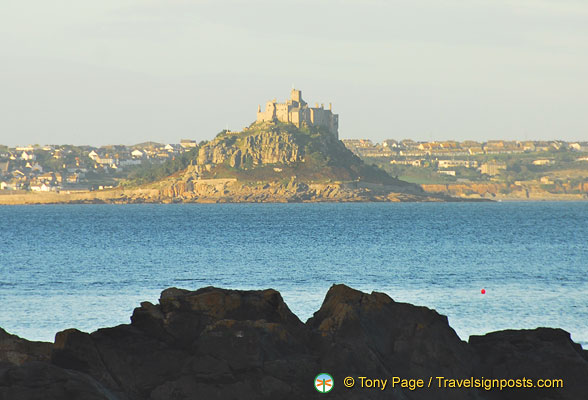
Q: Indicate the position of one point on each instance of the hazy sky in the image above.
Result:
(126, 71)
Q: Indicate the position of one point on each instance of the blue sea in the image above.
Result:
(88, 266)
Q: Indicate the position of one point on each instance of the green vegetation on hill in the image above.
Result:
(275, 151)
(146, 173)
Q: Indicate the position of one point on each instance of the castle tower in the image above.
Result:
(296, 95)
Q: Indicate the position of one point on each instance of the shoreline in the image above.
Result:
(230, 190)
(121, 196)
(233, 191)
(501, 192)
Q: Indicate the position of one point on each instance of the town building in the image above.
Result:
(492, 168)
(457, 163)
(188, 143)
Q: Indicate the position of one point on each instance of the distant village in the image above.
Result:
(469, 160)
(55, 168)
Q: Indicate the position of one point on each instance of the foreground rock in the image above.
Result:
(226, 344)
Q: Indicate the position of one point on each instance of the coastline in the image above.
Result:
(501, 192)
(233, 191)
(228, 191)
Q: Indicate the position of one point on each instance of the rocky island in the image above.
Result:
(228, 344)
(291, 153)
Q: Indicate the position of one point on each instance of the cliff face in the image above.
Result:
(227, 344)
(269, 147)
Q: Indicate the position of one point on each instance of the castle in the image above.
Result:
(297, 112)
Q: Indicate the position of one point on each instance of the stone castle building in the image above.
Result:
(297, 112)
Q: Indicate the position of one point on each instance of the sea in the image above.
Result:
(89, 266)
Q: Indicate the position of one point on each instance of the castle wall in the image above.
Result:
(269, 114)
(282, 112)
(295, 118)
(324, 118)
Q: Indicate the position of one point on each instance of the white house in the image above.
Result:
(27, 157)
(447, 172)
(105, 161)
(578, 146)
(93, 155)
(125, 163)
(137, 154)
(188, 143)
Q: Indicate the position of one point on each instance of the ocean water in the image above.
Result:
(88, 266)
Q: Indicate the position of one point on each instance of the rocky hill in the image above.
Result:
(227, 344)
(276, 161)
(276, 150)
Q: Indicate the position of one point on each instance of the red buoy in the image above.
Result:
(483, 291)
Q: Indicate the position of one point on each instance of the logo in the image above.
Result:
(324, 383)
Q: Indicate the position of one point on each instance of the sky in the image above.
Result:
(128, 71)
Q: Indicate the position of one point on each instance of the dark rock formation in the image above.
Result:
(43, 381)
(372, 335)
(227, 344)
(17, 351)
(541, 353)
